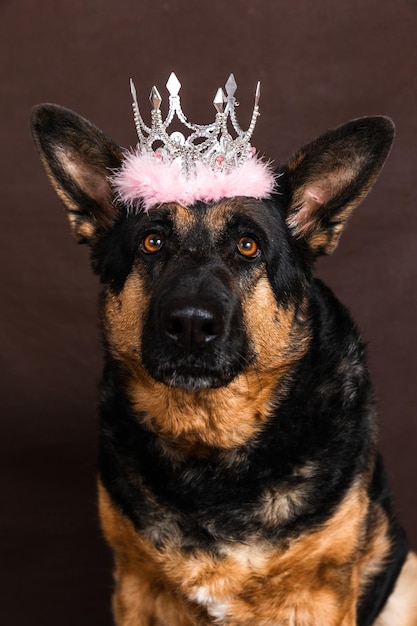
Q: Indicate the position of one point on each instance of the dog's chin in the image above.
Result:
(192, 379)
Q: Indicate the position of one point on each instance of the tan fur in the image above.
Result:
(184, 219)
(122, 319)
(283, 503)
(143, 595)
(315, 580)
(401, 608)
(278, 335)
(80, 228)
(374, 557)
(220, 213)
(211, 417)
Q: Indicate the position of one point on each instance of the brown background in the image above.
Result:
(321, 63)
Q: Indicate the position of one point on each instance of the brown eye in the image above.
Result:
(248, 247)
(152, 243)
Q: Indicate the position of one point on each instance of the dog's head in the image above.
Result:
(204, 297)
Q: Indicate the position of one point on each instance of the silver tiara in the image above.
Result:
(210, 144)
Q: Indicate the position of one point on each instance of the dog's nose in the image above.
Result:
(193, 327)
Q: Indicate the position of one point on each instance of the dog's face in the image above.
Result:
(212, 299)
(206, 293)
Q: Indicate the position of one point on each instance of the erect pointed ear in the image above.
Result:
(330, 176)
(78, 159)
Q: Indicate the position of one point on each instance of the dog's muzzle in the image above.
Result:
(194, 337)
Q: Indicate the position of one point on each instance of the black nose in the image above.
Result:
(193, 327)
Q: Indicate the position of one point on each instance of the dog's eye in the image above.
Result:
(152, 242)
(248, 247)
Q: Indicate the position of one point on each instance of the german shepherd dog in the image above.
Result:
(239, 478)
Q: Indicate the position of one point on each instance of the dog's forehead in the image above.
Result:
(215, 219)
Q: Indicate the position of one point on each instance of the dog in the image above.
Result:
(240, 481)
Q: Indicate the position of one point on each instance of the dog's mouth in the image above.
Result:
(193, 376)
(211, 365)
(192, 381)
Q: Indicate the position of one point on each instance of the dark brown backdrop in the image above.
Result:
(320, 63)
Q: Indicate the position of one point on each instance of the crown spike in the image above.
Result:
(139, 123)
(155, 98)
(173, 85)
(258, 93)
(219, 100)
(231, 86)
(133, 91)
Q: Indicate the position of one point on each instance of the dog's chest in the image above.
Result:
(204, 506)
(237, 582)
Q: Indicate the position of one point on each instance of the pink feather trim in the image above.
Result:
(149, 181)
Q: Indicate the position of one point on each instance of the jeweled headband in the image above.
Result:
(208, 164)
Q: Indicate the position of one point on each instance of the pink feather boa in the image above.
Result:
(147, 181)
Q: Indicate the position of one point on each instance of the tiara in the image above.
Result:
(206, 164)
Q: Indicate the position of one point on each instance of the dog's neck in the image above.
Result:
(193, 422)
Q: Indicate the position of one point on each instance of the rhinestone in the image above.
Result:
(219, 100)
(173, 85)
(155, 98)
(231, 86)
(178, 138)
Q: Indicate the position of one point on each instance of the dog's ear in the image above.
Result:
(330, 176)
(78, 159)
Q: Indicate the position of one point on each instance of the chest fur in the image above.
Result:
(315, 578)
